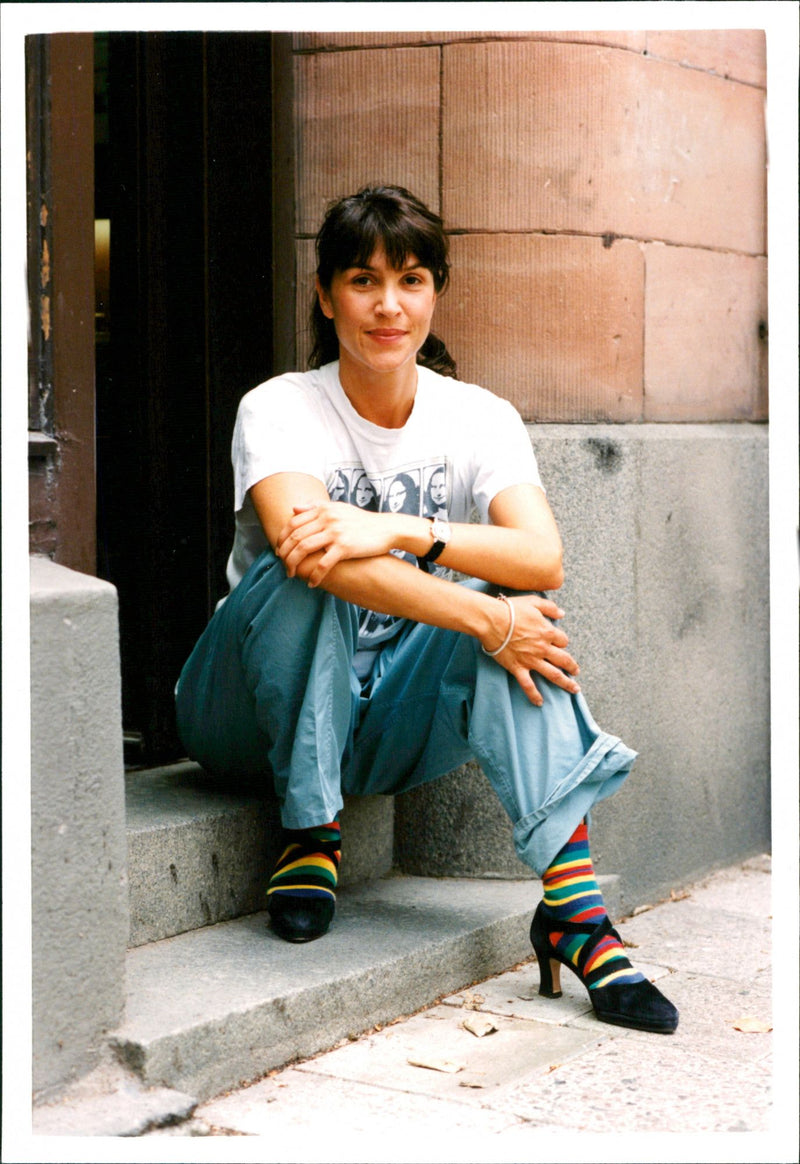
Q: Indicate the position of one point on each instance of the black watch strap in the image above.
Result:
(433, 553)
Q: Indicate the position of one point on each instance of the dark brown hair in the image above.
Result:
(353, 228)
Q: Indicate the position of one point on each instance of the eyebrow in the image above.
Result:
(402, 270)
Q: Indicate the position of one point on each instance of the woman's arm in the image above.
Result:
(520, 550)
(366, 574)
(307, 530)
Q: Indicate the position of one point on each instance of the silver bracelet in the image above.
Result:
(511, 625)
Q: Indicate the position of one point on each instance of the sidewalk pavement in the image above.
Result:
(434, 1086)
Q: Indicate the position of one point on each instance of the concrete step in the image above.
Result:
(198, 855)
(215, 1007)
(211, 1008)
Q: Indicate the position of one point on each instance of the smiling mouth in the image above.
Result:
(386, 333)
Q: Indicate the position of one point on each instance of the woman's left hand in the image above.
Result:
(538, 645)
(338, 529)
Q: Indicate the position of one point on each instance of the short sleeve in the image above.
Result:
(503, 454)
(279, 429)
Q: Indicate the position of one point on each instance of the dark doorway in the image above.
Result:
(183, 177)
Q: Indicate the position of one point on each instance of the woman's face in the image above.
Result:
(397, 496)
(364, 491)
(339, 491)
(438, 488)
(382, 316)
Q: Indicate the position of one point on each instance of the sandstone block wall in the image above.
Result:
(606, 196)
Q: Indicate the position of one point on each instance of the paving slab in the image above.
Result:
(516, 995)
(645, 1085)
(279, 1109)
(476, 1066)
(743, 891)
(692, 937)
(712, 1011)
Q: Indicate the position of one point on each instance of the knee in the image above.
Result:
(288, 611)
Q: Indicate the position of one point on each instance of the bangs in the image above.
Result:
(363, 226)
(398, 241)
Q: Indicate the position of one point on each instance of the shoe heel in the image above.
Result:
(549, 975)
(549, 967)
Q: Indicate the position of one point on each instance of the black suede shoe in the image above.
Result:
(301, 897)
(638, 1005)
(300, 919)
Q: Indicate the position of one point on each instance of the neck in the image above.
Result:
(383, 398)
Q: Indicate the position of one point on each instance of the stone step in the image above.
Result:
(198, 855)
(209, 1009)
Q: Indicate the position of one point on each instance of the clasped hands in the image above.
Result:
(338, 531)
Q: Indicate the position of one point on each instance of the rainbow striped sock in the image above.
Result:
(309, 865)
(571, 893)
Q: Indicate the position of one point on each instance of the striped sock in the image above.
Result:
(571, 893)
(308, 867)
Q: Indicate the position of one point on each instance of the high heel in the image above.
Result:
(637, 1005)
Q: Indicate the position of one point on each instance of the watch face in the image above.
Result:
(440, 530)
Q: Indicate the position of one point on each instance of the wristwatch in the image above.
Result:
(440, 532)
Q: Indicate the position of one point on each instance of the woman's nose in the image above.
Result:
(389, 302)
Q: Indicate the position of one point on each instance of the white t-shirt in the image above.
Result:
(458, 449)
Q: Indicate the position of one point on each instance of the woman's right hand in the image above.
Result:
(336, 530)
(537, 645)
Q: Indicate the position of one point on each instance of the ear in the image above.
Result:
(324, 300)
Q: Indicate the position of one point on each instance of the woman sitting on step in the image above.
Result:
(347, 660)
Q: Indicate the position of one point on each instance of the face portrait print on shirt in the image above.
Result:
(435, 492)
(402, 494)
(340, 489)
(364, 492)
(420, 490)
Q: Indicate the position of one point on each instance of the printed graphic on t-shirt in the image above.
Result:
(419, 489)
(436, 496)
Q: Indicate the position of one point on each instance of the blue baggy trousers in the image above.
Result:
(270, 693)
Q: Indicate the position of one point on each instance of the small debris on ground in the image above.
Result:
(751, 1025)
(446, 1065)
(479, 1025)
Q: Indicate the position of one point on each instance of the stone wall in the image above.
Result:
(667, 546)
(79, 884)
(606, 194)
